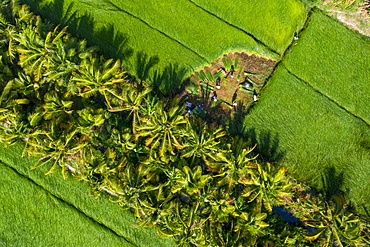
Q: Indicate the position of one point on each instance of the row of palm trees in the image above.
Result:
(82, 114)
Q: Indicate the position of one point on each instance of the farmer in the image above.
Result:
(247, 85)
(218, 80)
(188, 104)
(254, 96)
(232, 70)
(214, 97)
(221, 69)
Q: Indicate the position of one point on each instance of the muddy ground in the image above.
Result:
(233, 97)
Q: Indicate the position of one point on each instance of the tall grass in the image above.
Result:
(335, 61)
(31, 216)
(177, 32)
(272, 22)
(75, 193)
(320, 142)
(193, 27)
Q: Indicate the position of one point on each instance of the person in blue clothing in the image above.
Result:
(218, 81)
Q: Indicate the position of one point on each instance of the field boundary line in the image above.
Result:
(327, 96)
(117, 8)
(281, 59)
(354, 31)
(237, 27)
(68, 203)
(302, 29)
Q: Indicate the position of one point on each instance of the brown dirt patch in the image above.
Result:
(233, 90)
(356, 16)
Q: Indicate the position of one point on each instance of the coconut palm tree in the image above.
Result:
(96, 77)
(56, 147)
(205, 144)
(240, 229)
(237, 161)
(164, 130)
(133, 101)
(264, 184)
(335, 225)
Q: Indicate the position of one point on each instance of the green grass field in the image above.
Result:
(335, 61)
(61, 211)
(175, 32)
(31, 216)
(272, 22)
(316, 139)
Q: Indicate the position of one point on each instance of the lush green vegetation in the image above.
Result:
(272, 22)
(185, 34)
(319, 141)
(335, 61)
(83, 115)
(31, 216)
(71, 192)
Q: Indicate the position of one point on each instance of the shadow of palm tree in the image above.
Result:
(167, 81)
(144, 64)
(332, 182)
(110, 41)
(267, 144)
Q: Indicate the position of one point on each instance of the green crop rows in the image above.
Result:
(31, 216)
(334, 61)
(47, 210)
(272, 22)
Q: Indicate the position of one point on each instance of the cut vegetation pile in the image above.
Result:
(313, 115)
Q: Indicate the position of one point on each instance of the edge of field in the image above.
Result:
(31, 216)
(76, 194)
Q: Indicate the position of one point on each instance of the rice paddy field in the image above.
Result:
(39, 210)
(314, 113)
(190, 34)
(320, 142)
(335, 61)
(31, 216)
(272, 22)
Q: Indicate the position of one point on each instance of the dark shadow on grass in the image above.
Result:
(236, 126)
(166, 82)
(267, 144)
(366, 211)
(332, 182)
(144, 64)
(111, 42)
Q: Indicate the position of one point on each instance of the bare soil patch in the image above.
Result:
(356, 16)
(239, 89)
